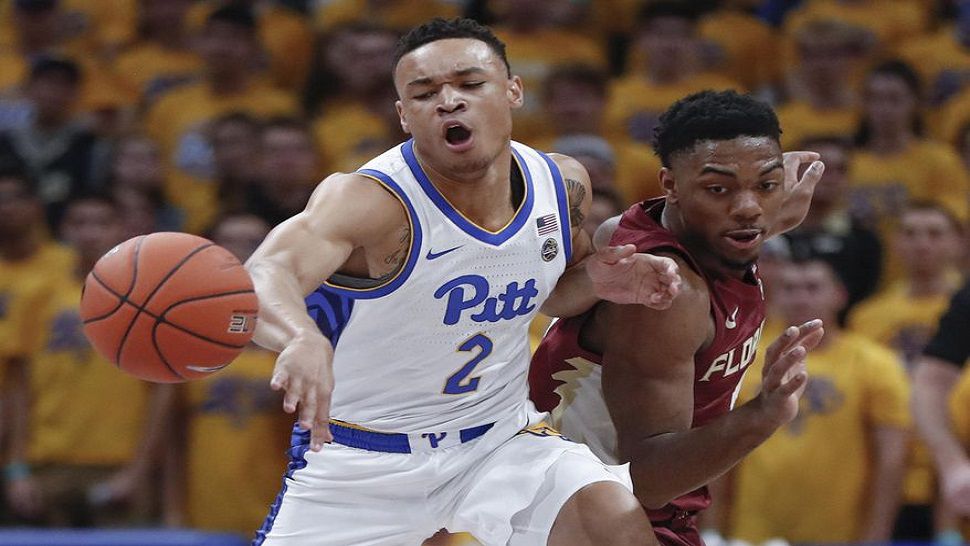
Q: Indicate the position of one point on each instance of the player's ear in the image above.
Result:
(403, 118)
(668, 184)
(515, 92)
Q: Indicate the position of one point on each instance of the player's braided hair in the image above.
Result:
(443, 29)
(712, 115)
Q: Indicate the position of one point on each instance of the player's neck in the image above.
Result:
(483, 196)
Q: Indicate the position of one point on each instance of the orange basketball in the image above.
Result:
(169, 307)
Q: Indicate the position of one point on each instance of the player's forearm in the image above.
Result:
(669, 465)
(282, 311)
(889, 451)
(932, 382)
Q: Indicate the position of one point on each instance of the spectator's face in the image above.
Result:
(808, 291)
(927, 241)
(669, 43)
(91, 227)
(138, 214)
(832, 187)
(889, 102)
(575, 107)
(824, 65)
(235, 146)
(360, 60)
(138, 164)
(602, 172)
(19, 212)
(240, 235)
(162, 15)
(289, 157)
(227, 48)
(456, 100)
(35, 27)
(726, 195)
(54, 96)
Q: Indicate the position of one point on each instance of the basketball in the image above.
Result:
(169, 307)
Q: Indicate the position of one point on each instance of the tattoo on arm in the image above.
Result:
(576, 192)
(395, 259)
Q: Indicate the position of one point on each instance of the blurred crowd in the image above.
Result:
(125, 117)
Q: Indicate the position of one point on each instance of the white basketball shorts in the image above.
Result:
(504, 486)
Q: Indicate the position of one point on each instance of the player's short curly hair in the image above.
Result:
(712, 115)
(443, 29)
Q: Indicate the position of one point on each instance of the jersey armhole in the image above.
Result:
(356, 288)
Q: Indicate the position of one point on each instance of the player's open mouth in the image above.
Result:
(744, 238)
(458, 137)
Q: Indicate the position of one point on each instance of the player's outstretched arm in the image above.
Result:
(617, 274)
(648, 384)
(346, 213)
(798, 191)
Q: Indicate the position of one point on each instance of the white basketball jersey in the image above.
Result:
(444, 343)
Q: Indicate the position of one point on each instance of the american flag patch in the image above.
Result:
(546, 224)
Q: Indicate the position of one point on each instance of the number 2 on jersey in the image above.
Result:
(457, 383)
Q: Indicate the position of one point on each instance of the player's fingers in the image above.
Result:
(792, 161)
(793, 384)
(280, 380)
(778, 346)
(308, 409)
(293, 395)
(776, 375)
(811, 177)
(321, 421)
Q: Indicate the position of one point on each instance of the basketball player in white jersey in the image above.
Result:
(424, 269)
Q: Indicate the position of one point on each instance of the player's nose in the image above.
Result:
(451, 100)
(746, 206)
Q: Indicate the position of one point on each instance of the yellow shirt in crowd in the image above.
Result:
(853, 385)
(235, 411)
(70, 421)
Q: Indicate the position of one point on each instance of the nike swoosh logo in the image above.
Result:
(730, 323)
(435, 255)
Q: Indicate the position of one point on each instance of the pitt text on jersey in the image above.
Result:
(470, 291)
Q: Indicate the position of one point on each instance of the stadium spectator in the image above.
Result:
(56, 148)
(851, 424)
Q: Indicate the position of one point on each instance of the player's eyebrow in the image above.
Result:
(776, 164)
(718, 170)
(455, 74)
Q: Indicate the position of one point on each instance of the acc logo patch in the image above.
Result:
(550, 249)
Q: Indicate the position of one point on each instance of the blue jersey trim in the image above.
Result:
(493, 238)
(330, 310)
(413, 252)
(564, 220)
(299, 445)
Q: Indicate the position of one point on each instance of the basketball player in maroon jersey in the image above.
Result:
(655, 387)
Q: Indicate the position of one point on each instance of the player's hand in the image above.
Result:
(23, 497)
(955, 485)
(784, 376)
(620, 274)
(304, 369)
(798, 191)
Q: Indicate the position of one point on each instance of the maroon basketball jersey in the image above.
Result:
(565, 378)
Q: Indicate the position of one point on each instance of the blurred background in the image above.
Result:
(215, 117)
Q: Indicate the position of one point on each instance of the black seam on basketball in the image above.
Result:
(158, 351)
(121, 300)
(160, 319)
(124, 338)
